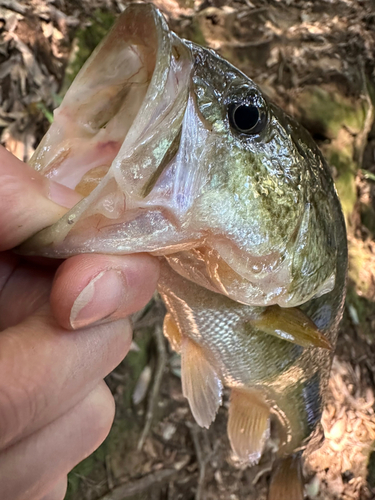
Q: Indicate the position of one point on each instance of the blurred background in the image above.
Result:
(316, 60)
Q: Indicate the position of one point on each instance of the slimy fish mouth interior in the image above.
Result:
(99, 109)
(177, 153)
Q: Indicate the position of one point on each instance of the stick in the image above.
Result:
(161, 364)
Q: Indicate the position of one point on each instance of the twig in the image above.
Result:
(201, 461)
(144, 483)
(161, 364)
(120, 6)
(249, 4)
(171, 491)
(261, 473)
(251, 12)
(245, 45)
(14, 6)
(108, 470)
(361, 139)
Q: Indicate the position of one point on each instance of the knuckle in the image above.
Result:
(100, 414)
(120, 334)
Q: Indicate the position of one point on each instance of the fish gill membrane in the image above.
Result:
(177, 153)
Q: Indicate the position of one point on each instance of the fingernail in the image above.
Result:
(63, 195)
(100, 299)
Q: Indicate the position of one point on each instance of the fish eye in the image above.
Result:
(246, 118)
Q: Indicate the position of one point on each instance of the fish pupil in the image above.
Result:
(245, 118)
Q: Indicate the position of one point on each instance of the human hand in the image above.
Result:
(55, 408)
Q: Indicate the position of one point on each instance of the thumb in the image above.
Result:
(29, 202)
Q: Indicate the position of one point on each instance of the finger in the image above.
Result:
(28, 201)
(89, 288)
(30, 468)
(23, 289)
(59, 490)
(45, 370)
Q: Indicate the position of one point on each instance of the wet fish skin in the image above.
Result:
(246, 221)
(268, 193)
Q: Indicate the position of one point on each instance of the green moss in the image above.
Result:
(345, 182)
(46, 112)
(328, 112)
(369, 176)
(195, 33)
(84, 469)
(333, 110)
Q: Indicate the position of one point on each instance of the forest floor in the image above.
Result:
(316, 60)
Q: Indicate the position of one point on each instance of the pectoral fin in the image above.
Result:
(291, 324)
(286, 482)
(248, 424)
(201, 385)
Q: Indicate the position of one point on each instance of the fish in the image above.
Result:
(177, 153)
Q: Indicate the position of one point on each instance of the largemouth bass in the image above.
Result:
(177, 153)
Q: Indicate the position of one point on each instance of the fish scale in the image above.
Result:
(223, 327)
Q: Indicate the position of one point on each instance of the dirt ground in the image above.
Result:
(316, 60)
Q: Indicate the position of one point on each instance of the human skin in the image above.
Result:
(63, 328)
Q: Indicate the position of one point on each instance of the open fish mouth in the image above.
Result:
(134, 81)
(133, 139)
